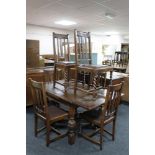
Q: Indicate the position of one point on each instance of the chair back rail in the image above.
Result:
(39, 97)
(113, 98)
(82, 41)
(61, 47)
(49, 114)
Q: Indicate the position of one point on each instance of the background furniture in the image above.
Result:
(48, 74)
(117, 78)
(32, 53)
(125, 47)
(48, 114)
(121, 60)
(125, 90)
(39, 75)
(48, 59)
(107, 60)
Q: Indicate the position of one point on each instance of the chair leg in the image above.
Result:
(54, 76)
(101, 137)
(113, 130)
(47, 133)
(35, 124)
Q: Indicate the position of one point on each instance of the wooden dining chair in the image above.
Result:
(88, 75)
(48, 114)
(107, 114)
(62, 59)
(120, 61)
(82, 42)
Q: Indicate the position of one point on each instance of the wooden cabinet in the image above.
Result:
(32, 53)
(38, 75)
(125, 90)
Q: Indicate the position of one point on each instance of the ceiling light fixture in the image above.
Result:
(111, 33)
(109, 15)
(65, 22)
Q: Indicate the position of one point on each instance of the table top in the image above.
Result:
(90, 67)
(38, 70)
(49, 61)
(66, 63)
(81, 99)
(117, 75)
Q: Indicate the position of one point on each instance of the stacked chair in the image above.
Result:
(62, 59)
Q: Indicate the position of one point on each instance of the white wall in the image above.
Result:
(44, 35)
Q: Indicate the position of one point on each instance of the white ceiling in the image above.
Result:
(88, 14)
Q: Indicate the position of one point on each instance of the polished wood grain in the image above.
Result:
(32, 53)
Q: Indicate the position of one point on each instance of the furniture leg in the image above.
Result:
(66, 78)
(113, 130)
(35, 124)
(71, 126)
(54, 76)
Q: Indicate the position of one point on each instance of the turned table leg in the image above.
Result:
(54, 76)
(71, 126)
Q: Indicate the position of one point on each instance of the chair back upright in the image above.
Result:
(82, 41)
(39, 98)
(113, 99)
(61, 47)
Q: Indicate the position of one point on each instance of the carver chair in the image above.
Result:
(107, 114)
(48, 114)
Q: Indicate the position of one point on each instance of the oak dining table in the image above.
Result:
(73, 101)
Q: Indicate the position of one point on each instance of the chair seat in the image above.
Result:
(56, 113)
(95, 117)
